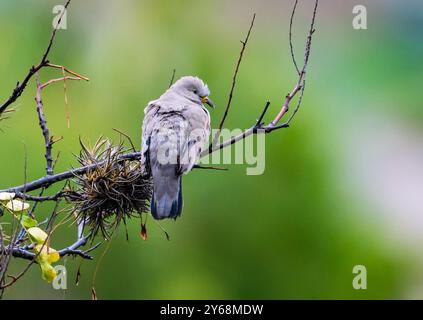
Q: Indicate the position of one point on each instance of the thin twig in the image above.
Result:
(53, 35)
(22, 253)
(288, 98)
(57, 66)
(210, 168)
(127, 138)
(20, 87)
(48, 140)
(301, 79)
(294, 61)
(44, 129)
(234, 78)
(172, 78)
(299, 87)
(65, 78)
(72, 250)
(15, 234)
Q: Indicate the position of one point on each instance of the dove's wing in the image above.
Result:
(199, 128)
(176, 133)
(148, 126)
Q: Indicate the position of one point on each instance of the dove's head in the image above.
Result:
(194, 89)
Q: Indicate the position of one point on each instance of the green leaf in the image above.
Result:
(47, 256)
(47, 271)
(27, 221)
(47, 253)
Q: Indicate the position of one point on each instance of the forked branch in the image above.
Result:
(260, 127)
(20, 87)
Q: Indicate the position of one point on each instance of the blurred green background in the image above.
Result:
(342, 186)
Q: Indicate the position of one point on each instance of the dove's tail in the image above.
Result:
(166, 201)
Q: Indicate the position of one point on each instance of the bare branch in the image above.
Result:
(44, 129)
(72, 250)
(234, 78)
(294, 61)
(29, 197)
(47, 181)
(20, 87)
(13, 250)
(66, 78)
(63, 68)
(301, 79)
(53, 34)
(288, 98)
(299, 87)
(211, 168)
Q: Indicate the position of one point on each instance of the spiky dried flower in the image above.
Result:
(111, 192)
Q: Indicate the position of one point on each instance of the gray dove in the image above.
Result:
(175, 129)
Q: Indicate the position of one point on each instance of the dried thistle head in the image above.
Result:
(112, 191)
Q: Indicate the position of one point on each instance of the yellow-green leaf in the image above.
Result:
(47, 254)
(27, 221)
(48, 272)
(17, 206)
(37, 235)
(6, 196)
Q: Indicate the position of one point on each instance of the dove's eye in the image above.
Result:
(195, 91)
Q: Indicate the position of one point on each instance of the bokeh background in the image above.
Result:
(342, 187)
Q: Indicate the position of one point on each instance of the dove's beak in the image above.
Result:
(207, 101)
